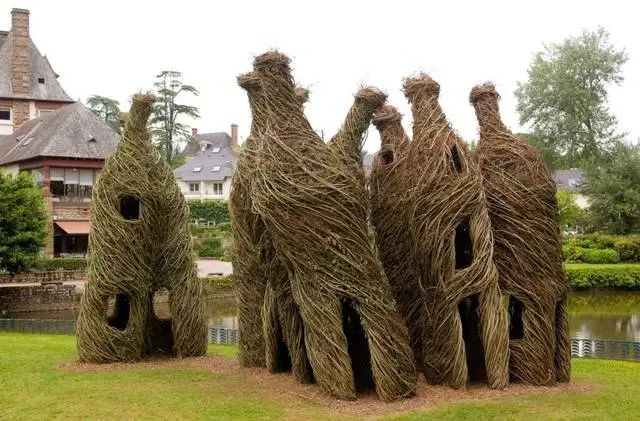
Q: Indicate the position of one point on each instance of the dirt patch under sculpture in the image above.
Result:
(283, 388)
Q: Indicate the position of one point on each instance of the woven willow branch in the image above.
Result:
(131, 259)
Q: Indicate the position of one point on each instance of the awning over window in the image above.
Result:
(74, 227)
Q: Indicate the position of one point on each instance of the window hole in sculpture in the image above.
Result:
(471, 334)
(358, 347)
(283, 357)
(118, 314)
(463, 245)
(386, 157)
(456, 163)
(160, 327)
(516, 326)
(130, 208)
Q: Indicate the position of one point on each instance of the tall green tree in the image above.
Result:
(613, 188)
(565, 99)
(168, 131)
(23, 222)
(107, 109)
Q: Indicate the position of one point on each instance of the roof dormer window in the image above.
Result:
(41, 80)
(92, 140)
(216, 168)
(216, 150)
(197, 169)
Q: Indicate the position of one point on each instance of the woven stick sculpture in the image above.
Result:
(314, 209)
(270, 324)
(465, 331)
(387, 186)
(349, 140)
(524, 216)
(134, 252)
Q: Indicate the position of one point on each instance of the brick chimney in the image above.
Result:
(20, 64)
(194, 131)
(234, 135)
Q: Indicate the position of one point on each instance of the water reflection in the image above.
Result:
(592, 315)
(605, 315)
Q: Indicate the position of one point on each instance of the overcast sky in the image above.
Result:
(115, 48)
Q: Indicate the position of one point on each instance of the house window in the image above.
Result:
(5, 114)
(72, 184)
(216, 168)
(41, 80)
(217, 189)
(43, 112)
(194, 187)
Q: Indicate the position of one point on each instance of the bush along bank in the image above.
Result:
(615, 276)
(627, 248)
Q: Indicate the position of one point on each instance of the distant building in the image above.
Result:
(211, 161)
(573, 180)
(62, 143)
(28, 85)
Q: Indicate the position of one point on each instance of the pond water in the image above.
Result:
(592, 315)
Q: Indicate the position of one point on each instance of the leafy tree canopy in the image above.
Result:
(565, 99)
(23, 222)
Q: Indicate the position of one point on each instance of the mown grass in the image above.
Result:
(601, 265)
(35, 383)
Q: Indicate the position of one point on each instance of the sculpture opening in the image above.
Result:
(160, 329)
(118, 317)
(130, 208)
(474, 350)
(463, 245)
(358, 347)
(456, 163)
(283, 356)
(516, 327)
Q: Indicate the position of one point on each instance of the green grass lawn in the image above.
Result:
(37, 383)
(601, 266)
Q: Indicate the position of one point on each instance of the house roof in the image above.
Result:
(217, 139)
(570, 179)
(50, 90)
(223, 161)
(72, 131)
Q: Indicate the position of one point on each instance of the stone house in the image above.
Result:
(43, 131)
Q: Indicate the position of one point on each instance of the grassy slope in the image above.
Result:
(34, 385)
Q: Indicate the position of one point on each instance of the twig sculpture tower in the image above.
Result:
(465, 331)
(139, 244)
(271, 331)
(526, 230)
(314, 207)
(389, 202)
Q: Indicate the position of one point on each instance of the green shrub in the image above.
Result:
(615, 276)
(209, 210)
(209, 247)
(61, 263)
(598, 256)
(214, 284)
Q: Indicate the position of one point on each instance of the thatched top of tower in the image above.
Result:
(422, 83)
(486, 90)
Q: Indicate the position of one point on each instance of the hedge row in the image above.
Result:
(586, 255)
(60, 263)
(627, 246)
(615, 276)
(209, 210)
(216, 284)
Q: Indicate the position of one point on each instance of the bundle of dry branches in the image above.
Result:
(134, 252)
(314, 207)
(527, 241)
(440, 204)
